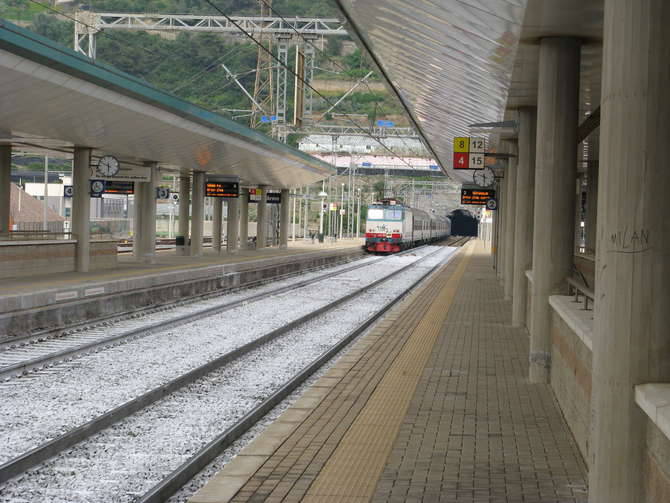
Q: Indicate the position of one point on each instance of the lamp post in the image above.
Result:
(341, 209)
(323, 197)
(358, 214)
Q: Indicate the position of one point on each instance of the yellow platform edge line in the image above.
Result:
(352, 472)
(223, 486)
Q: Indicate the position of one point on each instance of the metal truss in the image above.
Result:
(286, 27)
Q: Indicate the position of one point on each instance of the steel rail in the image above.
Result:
(23, 462)
(187, 470)
(23, 367)
(52, 334)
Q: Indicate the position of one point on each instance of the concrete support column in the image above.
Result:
(523, 221)
(592, 192)
(502, 201)
(184, 210)
(198, 209)
(147, 209)
(138, 215)
(233, 224)
(244, 218)
(5, 186)
(284, 218)
(81, 207)
(262, 219)
(217, 224)
(510, 215)
(494, 238)
(631, 340)
(555, 174)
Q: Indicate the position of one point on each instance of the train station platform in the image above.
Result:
(432, 405)
(52, 300)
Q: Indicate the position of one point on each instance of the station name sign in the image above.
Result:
(477, 197)
(218, 187)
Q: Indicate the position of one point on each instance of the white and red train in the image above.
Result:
(391, 227)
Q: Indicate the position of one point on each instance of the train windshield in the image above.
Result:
(384, 214)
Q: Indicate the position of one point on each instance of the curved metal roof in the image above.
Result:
(51, 96)
(449, 61)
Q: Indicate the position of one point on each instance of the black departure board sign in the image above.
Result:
(222, 189)
(119, 187)
(270, 197)
(477, 197)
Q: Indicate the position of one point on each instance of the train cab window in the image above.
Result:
(393, 214)
(375, 214)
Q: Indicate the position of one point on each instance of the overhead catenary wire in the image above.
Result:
(300, 78)
(330, 59)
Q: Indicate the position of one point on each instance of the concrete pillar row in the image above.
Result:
(631, 340)
(284, 218)
(184, 214)
(233, 224)
(217, 224)
(5, 186)
(510, 212)
(523, 221)
(198, 209)
(81, 207)
(262, 219)
(244, 218)
(555, 174)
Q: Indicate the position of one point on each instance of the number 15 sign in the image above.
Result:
(469, 153)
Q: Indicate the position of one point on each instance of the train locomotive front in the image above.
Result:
(391, 227)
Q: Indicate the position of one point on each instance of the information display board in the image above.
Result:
(469, 153)
(477, 197)
(117, 187)
(215, 188)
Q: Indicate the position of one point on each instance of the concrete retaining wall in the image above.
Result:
(656, 466)
(32, 258)
(57, 307)
(571, 379)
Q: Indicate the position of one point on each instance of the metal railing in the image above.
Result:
(577, 288)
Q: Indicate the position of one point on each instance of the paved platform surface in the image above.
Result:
(433, 405)
(166, 261)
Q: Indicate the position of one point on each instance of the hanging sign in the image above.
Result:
(469, 153)
(68, 190)
(163, 193)
(97, 188)
(222, 189)
(479, 197)
(270, 197)
(115, 187)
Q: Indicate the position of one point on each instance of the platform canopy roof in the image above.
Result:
(455, 63)
(53, 97)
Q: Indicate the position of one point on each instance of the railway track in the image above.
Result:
(32, 353)
(48, 449)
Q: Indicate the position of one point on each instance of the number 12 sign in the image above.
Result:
(469, 153)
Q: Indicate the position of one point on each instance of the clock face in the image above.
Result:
(108, 165)
(484, 177)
